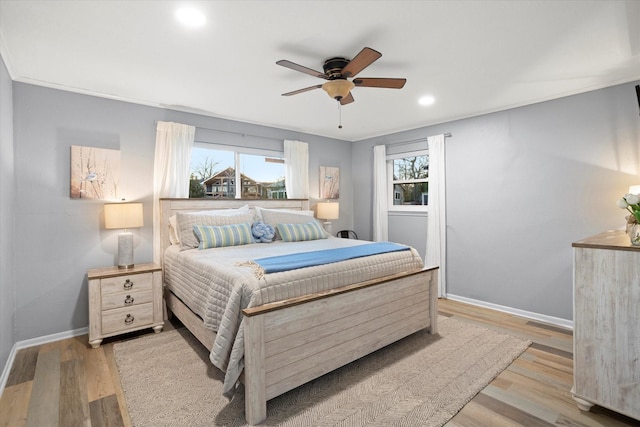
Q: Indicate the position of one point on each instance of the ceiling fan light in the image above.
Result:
(338, 89)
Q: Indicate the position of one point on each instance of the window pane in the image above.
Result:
(213, 175)
(261, 179)
(411, 194)
(409, 168)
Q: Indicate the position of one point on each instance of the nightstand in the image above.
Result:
(124, 300)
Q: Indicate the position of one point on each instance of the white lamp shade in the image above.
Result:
(328, 210)
(634, 189)
(123, 215)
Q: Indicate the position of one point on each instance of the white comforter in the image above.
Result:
(216, 286)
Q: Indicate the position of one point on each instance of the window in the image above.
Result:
(215, 170)
(409, 180)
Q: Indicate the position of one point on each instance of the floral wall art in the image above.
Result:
(329, 182)
(95, 173)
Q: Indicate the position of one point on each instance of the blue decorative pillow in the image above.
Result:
(213, 236)
(263, 233)
(299, 232)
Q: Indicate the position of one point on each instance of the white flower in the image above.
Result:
(632, 199)
(622, 203)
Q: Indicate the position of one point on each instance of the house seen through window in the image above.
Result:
(215, 173)
(409, 180)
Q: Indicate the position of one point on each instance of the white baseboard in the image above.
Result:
(563, 323)
(33, 342)
(7, 368)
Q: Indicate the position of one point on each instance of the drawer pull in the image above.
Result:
(128, 284)
(129, 319)
(128, 300)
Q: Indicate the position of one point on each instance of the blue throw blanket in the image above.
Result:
(279, 263)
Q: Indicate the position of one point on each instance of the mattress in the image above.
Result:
(218, 283)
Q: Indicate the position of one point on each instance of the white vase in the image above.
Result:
(633, 231)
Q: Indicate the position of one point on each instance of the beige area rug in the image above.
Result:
(422, 380)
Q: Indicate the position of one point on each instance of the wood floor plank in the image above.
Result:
(477, 415)
(552, 350)
(551, 327)
(24, 366)
(115, 376)
(45, 397)
(74, 406)
(105, 412)
(14, 405)
(99, 379)
(513, 413)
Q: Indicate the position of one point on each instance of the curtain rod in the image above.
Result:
(243, 134)
(446, 135)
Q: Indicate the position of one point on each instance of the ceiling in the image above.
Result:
(473, 57)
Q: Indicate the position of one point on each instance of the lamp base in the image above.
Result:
(328, 227)
(125, 250)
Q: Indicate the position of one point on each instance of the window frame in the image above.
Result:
(237, 152)
(391, 182)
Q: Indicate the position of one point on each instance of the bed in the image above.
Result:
(287, 328)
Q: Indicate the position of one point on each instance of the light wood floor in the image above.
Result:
(68, 384)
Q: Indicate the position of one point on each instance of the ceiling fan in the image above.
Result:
(338, 70)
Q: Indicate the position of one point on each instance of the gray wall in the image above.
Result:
(60, 238)
(522, 185)
(7, 192)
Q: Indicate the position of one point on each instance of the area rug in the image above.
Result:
(422, 380)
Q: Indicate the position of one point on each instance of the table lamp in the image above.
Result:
(123, 216)
(327, 211)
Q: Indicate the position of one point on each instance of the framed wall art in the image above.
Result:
(329, 182)
(95, 173)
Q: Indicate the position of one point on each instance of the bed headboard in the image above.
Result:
(169, 207)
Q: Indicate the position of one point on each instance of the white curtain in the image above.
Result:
(296, 169)
(174, 142)
(380, 195)
(436, 228)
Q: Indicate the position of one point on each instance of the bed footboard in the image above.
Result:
(290, 343)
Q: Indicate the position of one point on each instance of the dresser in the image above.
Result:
(606, 345)
(124, 300)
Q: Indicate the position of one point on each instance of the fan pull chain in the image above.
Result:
(339, 115)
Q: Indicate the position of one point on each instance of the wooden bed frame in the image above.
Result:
(289, 343)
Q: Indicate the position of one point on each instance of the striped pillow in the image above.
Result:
(299, 232)
(217, 236)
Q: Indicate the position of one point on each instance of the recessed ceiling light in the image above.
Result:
(426, 100)
(190, 17)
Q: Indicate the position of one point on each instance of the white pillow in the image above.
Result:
(173, 231)
(223, 212)
(186, 220)
(272, 212)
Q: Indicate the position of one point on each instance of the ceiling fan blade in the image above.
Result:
(380, 82)
(302, 69)
(361, 61)
(347, 99)
(295, 92)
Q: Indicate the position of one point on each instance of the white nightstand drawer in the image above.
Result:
(130, 282)
(126, 299)
(122, 319)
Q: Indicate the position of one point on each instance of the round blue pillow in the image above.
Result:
(263, 233)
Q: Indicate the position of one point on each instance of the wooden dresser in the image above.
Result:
(606, 313)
